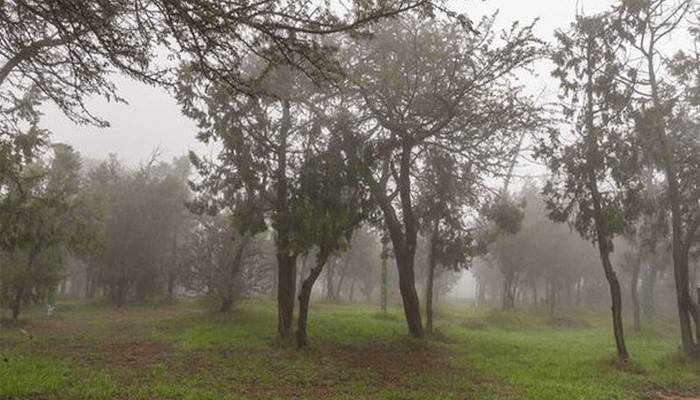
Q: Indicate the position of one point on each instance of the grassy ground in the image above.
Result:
(184, 351)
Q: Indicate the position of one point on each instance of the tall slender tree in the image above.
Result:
(666, 120)
(594, 183)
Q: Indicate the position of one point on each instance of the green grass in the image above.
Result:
(185, 351)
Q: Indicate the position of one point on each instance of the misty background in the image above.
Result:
(134, 134)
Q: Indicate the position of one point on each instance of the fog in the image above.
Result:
(400, 199)
(134, 134)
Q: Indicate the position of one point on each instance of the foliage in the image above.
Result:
(592, 46)
(145, 219)
(50, 218)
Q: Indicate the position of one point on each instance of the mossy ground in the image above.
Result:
(186, 351)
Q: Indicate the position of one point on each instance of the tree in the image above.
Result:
(220, 37)
(666, 121)
(257, 173)
(173, 193)
(445, 196)
(594, 179)
(364, 260)
(64, 52)
(51, 220)
(630, 257)
(506, 217)
(216, 257)
(331, 207)
(144, 210)
(418, 85)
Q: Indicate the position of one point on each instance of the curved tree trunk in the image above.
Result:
(403, 232)
(593, 163)
(405, 240)
(411, 304)
(305, 296)
(234, 274)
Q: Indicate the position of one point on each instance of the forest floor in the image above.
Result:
(185, 351)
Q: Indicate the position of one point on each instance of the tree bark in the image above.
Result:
(508, 294)
(404, 232)
(305, 296)
(343, 273)
(233, 276)
(407, 288)
(330, 272)
(649, 284)
(286, 259)
(431, 278)
(304, 270)
(286, 290)
(404, 239)
(384, 289)
(552, 297)
(352, 290)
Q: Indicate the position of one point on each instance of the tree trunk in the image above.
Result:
(508, 294)
(286, 288)
(286, 259)
(481, 289)
(330, 272)
(226, 303)
(431, 279)
(171, 284)
(687, 308)
(17, 304)
(552, 297)
(304, 271)
(234, 273)
(593, 160)
(635, 300)
(649, 284)
(384, 289)
(305, 296)
(343, 273)
(404, 238)
(352, 290)
(407, 288)
(403, 232)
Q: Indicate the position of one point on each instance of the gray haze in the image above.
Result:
(152, 119)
